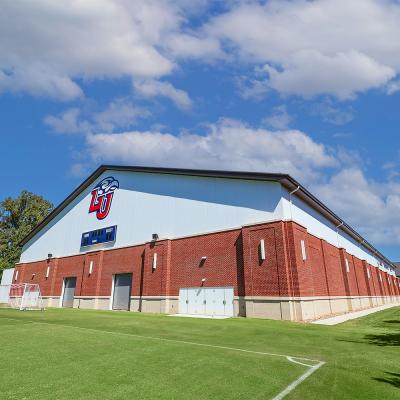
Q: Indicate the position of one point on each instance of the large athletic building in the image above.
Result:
(203, 242)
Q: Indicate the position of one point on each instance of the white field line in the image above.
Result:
(281, 395)
(297, 382)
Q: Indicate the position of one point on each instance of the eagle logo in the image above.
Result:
(102, 195)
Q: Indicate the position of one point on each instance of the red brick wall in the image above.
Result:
(118, 261)
(222, 266)
(233, 259)
(361, 277)
(334, 270)
(318, 267)
(264, 277)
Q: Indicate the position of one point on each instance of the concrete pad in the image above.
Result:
(199, 316)
(352, 315)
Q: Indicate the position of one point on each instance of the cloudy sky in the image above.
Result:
(310, 88)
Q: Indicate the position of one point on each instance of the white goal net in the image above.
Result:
(22, 296)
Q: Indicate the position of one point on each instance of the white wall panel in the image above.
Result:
(321, 227)
(170, 205)
(8, 274)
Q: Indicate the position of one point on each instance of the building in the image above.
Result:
(203, 242)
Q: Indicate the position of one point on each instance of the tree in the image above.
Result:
(18, 217)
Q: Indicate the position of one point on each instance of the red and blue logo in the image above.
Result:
(102, 196)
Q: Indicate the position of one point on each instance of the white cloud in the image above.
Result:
(190, 46)
(309, 73)
(153, 88)
(47, 45)
(68, 122)
(119, 114)
(337, 47)
(229, 144)
(39, 80)
(279, 118)
(333, 114)
(374, 208)
(393, 87)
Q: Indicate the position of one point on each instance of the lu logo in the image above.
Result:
(102, 196)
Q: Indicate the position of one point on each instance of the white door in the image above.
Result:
(206, 301)
(228, 294)
(215, 301)
(183, 301)
(195, 297)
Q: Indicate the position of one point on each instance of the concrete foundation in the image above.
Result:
(278, 308)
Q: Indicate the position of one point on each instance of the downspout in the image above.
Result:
(287, 240)
(290, 201)
(337, 233)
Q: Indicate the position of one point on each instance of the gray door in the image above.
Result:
(69, 292)
(122, 291)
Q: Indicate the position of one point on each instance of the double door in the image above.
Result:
(214, 301)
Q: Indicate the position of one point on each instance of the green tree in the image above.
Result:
(18, 216)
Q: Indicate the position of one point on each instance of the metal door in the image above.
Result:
(122, 291)
(215, 301)
(69, 292)
(195, 297)
(229, 296)
(183, 301)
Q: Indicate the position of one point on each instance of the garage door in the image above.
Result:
(216, 301)
(122, 291)
(69, 292)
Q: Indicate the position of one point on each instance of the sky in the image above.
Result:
(309, 88)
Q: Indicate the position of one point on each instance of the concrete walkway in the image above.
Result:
(338, 319)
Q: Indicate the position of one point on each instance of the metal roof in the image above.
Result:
(286, 180)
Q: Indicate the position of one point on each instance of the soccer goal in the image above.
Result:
(22, 296)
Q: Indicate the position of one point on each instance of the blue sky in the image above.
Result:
(307, 88)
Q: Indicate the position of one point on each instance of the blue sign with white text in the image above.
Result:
(102, 235)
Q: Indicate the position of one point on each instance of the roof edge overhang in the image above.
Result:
(286, 180)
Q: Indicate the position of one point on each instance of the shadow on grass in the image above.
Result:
(391, 338)
(388, 339)
(391, 378)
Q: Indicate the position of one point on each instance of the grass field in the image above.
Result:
(82, 354)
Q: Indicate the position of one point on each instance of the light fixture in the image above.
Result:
(204, 279)
(154, 236)
(154, 261)
(204, 258)
(50, 255)
(303, 250)
(262, 250)
(91, 267)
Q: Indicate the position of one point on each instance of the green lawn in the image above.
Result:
(82, 354)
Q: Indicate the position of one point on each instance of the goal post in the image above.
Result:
(22, 296)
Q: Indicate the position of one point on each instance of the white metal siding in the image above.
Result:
(321, 227)
(8, 274)
(170, 205)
